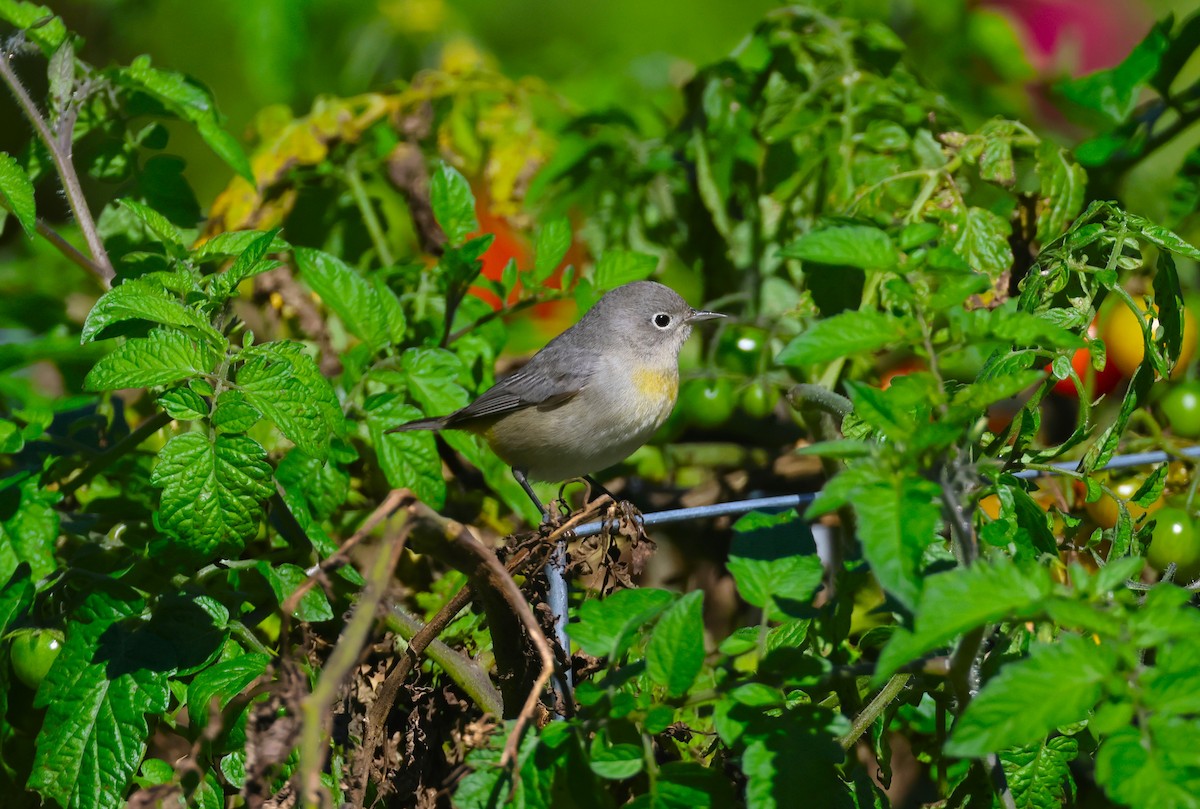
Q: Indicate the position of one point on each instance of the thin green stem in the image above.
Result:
(246, 636)
(69, 251)
(370, 219)
(127, 444)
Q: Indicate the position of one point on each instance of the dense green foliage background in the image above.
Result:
(222, 583)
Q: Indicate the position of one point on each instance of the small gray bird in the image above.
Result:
(592, 396)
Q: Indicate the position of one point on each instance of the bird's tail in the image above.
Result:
(420, 424)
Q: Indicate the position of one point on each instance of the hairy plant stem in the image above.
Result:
(464, 671)
(875, 708)
(59, 145)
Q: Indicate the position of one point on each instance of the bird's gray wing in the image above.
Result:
(547, 381)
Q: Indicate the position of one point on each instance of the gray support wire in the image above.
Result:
(787, 501)
(556, 598)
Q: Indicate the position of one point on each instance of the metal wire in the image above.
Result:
(783, 502)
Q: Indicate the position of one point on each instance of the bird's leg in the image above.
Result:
(520, 476)
(596, 485)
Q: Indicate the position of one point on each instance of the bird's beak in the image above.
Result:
(696, 317)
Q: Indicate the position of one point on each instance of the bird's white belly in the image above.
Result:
(598, 428)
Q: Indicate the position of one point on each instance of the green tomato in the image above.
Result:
(1181, 406)
(759, 399)
(707, 402)
(1174, 540)
(33, 652)
(741, 349)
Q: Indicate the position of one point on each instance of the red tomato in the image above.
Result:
(903, 368)
(1098, 383)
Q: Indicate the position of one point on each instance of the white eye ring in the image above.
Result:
(662, 320)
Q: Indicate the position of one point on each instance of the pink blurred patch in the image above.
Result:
(1076, 36)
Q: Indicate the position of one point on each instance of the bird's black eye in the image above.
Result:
(662, 321)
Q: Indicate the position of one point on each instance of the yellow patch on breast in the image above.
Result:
(656, 387)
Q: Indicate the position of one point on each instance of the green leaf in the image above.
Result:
(774, 563)
(689, 785)
(615, 762)
(996, 161)
(212, 491)
(675, 653)
(16, 193)
(39, 23)
(799, 757)
(16, 597)
(162, 357)
(433, 375)
(842, 335)
(408, 460)
(142, 299)
(607, 627)
(553, 242)
(158, 224)
(233, 413)
(324, 486)
(235, 243)
(29, 527)
(285, 579)
(183, 404)
(11, 439)
(1115, 92)
(97, 695)
(363, 308)
(978, 395)
(1026, 700)
(959, 600)
(1153, 767)
(283, 383)
(1063, 186)
(191, 103)
(1172, 685)
(453, 204)
(248, 264)
(862, 246)
(983, 242)
(1040, 774)
(899, 516)
(618, 267)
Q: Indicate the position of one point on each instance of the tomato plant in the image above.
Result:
(743, 349)
(902, 368)
(1105, 512)
(1181, 407)
(33, 652)
(758, 399)
(1174, 541)
(707, 402)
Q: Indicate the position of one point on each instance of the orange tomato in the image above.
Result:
(1104, 512)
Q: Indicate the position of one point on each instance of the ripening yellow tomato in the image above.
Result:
(1122, 333)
